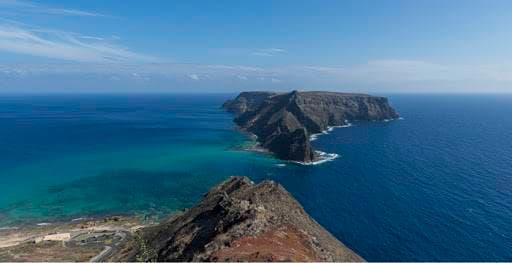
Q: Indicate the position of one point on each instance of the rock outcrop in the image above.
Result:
(240, 221)
(246, 101)
(283, 122)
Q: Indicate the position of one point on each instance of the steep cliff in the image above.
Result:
(246, 101)
(240, 221)
(283, 122)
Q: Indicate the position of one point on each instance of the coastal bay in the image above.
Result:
(421, 179)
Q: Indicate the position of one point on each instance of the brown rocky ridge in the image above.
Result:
(239, 221)
(284, 122)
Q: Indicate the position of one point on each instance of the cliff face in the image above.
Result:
(283, 122)
(241, 221)
(246, 101)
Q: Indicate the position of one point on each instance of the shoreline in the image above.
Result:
(75, 240)
(314, 136)
(327, 157)
(284, 121)
(322, 157)
(48, 222)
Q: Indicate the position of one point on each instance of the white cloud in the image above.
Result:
(379, 71)
(19, 6)
(275, 80)
(64, 45)
(115, 78)
(267, 52)
(193, 76)
(407, 71)
(262, 54)
(373, 76)
(140, 77)
(273, 50)
(92, 38)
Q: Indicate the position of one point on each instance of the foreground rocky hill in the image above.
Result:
(283, 122)
(239, 221)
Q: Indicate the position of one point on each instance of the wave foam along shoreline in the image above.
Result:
(81, 219)
(314, 136)
(324, 157)
(9, 228)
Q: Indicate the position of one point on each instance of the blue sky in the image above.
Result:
(228, 46)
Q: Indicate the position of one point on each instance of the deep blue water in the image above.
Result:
(436, 185)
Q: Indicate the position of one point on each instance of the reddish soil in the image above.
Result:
(285, 243)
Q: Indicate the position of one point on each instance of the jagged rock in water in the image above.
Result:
(283, 122)
(241, 221)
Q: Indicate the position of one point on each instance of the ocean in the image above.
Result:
(435, 185)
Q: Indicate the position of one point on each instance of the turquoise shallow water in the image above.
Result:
(69, 157)
(434, 186)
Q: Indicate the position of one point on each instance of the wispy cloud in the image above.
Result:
(408, 71)
(372, 72)
(267, 52)
(275, 80)
(260, 52)
(20, 6)
(373, 76)
(193, 76)
(64, 45)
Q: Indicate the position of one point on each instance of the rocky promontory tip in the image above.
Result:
(284, 122)
(239, 221)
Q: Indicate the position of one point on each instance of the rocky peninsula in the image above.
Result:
(236, 220)
(239, 221)
(284, 122)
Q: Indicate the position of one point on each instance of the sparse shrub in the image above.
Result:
(145, 252)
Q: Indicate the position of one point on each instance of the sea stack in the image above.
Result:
(284, 122)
